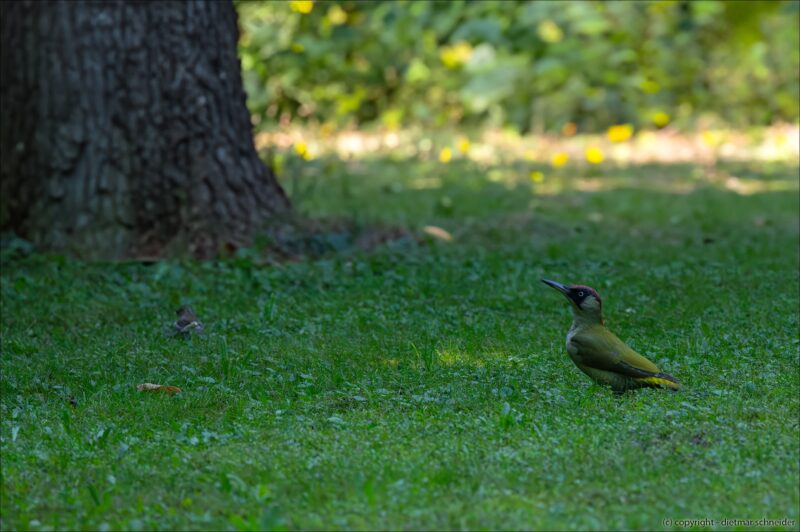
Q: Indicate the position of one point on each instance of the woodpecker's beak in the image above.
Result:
(558, 286)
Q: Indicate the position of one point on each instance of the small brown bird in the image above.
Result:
(187, 322)
(599, 353)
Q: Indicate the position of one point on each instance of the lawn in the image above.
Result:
(422, 383)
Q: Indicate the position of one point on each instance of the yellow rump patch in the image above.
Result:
(660, 382)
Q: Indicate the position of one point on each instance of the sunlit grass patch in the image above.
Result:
(622, 145)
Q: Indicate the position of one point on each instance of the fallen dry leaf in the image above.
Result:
(148, 387)
(437, 232)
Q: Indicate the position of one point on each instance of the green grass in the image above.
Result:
(424, 384)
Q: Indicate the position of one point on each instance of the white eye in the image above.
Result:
(580, 294)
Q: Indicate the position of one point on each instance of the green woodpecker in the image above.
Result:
(599, 353)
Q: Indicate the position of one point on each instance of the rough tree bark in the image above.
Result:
(124, 129)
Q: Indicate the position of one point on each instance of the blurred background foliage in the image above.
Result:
(533, 66)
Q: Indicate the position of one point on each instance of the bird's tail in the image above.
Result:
(662, 380)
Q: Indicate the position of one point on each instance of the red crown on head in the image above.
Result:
(587, 289)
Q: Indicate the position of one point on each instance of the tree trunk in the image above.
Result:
(125, 131)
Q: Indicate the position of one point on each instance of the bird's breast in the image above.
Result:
(572, 348)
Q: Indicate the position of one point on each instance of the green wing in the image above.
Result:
(601, 349)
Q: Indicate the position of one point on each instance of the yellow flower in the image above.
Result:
(445, 155)
(302, 150)
(620, 133)
(456, 55)
(661, 119)
(537, 177)
(549, 31)
(337, 15)
(710, 138)
(301, 6)
(594, 155)
(463, 145)
(559, 159)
